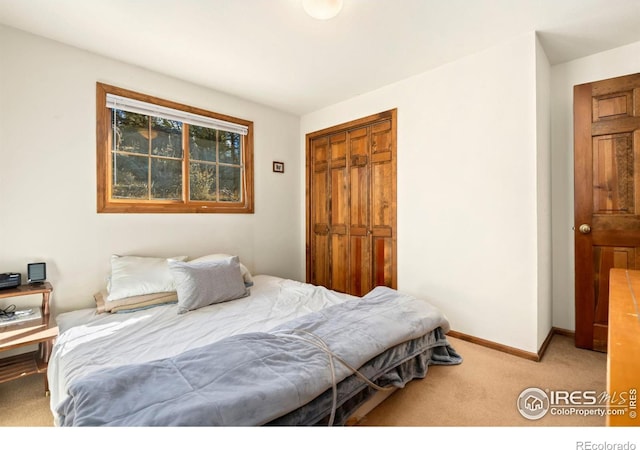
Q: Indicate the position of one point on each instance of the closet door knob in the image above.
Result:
(585, 228)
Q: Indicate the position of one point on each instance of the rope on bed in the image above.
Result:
(317, 341)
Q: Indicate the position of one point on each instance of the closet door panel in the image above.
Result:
(319, 212)
(382, 200)
(383, 204)
(359, 182)
(383, 261)
(339, 254)
(320, 269)
(360, 265)
(360, 242)
(339, 212)
(382, 139)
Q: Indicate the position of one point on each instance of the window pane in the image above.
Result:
(230, 184)
(166, 137)
(154, 162)
(131, 131)
(230, 147)
(202, 182)
(202, 144)
(166, 179)
(130, 176)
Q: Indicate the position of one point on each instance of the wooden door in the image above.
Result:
(359, 272)
(607, 197)
(351, 205)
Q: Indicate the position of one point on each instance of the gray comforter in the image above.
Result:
(253, 378)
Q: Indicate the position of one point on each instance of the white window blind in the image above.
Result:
(149, 109)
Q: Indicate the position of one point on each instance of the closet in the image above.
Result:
(351, 205)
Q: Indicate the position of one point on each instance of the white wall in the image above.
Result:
(543, 130)
(473, 173)
(613, 63)
(467, 188)
(48, 175)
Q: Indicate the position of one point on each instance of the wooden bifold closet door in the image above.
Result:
(351, 205)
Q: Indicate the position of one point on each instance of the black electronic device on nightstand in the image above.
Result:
(36, 273)
(10, 280)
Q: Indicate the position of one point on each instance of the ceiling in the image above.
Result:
(271, 52)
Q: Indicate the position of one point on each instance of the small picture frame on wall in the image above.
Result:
(278, 167)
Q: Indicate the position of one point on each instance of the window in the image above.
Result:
(154, 155)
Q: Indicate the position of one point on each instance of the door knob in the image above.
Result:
(584, 229)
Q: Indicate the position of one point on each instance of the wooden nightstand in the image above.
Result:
(41, 331)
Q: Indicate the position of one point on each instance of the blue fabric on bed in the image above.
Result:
(253, 378)
(395, 367)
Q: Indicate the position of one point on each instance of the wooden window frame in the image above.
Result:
(106, 204)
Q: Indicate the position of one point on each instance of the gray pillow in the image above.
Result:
(205, 283)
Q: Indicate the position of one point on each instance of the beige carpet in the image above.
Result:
(23, 403)
(482, 391)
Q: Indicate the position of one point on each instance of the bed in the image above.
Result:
(284, 353)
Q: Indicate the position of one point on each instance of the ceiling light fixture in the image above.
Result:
(322, 9)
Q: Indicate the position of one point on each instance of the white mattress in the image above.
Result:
(90, 341)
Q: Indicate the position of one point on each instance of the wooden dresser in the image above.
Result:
(623, 348)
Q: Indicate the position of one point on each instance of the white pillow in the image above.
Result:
(207, 282)
(140, 275)
(246, 275)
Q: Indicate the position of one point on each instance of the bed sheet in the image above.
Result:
(90, 341)
(254, 378)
